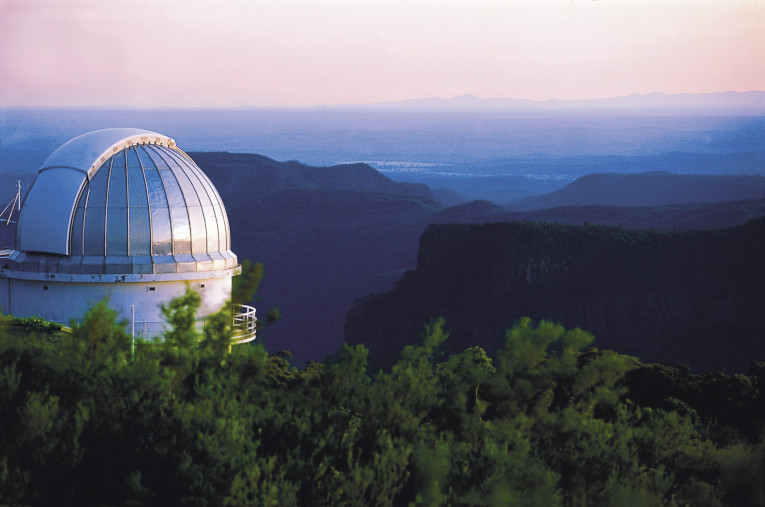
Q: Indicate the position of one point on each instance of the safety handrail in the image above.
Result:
(244, 324)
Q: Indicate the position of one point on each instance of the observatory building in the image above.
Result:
(122, 214)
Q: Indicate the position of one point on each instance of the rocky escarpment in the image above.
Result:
(694, 297)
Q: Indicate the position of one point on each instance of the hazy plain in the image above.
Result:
(486, 154)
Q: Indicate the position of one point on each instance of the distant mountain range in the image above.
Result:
(330, 235)
(656, 188)
(751, 102)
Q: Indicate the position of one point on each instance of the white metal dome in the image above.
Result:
(123, 201)
(121, 215)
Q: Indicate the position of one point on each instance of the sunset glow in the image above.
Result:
(237, 53)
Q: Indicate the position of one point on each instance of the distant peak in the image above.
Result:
(751, 102)
(466, 96)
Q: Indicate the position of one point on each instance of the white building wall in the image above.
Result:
(66, 301)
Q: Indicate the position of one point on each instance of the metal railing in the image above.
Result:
(150, 330)
(244, 324)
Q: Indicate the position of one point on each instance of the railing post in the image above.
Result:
(132, 332)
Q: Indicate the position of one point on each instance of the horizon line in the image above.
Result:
(433, 100)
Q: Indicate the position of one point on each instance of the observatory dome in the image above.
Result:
(124, 216)
(122, 201)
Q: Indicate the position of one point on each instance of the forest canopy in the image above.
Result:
(548, 420)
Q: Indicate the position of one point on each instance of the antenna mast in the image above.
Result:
(13, 204)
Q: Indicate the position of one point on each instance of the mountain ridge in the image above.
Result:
(752, 102)
(273, 176)
(652, 188)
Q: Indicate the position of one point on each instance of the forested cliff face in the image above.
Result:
(694, 297)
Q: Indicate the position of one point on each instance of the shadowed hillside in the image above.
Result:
(693, 297)
(647, 189)
(672, 217)
(330, 235)
(325, 235)
(270, 176)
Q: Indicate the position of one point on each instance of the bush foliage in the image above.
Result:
(548, 420)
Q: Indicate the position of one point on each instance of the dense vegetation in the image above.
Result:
(547, 421)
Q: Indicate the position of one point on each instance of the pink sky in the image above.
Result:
(288, 53)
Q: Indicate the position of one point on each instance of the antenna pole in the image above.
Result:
(15, 202)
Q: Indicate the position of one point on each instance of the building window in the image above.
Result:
(201, 286)
(151, 289)
(45, 287)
